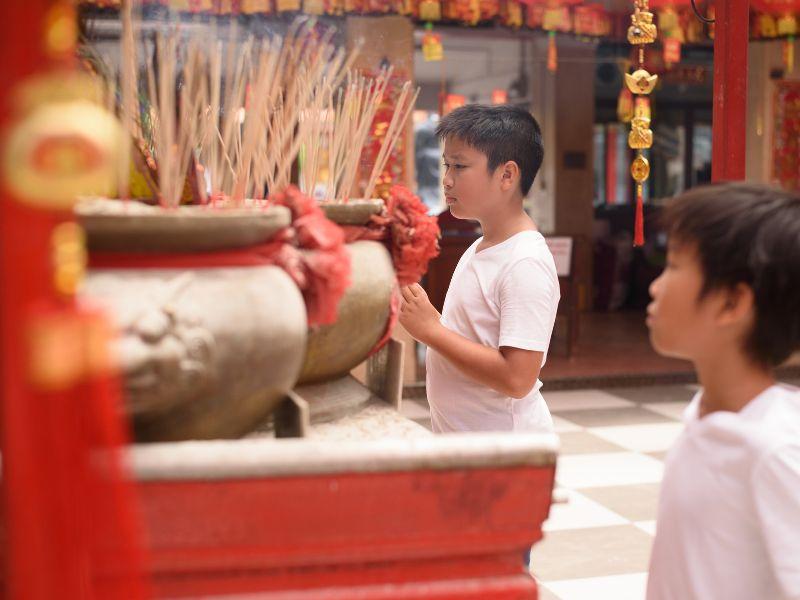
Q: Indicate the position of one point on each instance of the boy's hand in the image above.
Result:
(417, 314)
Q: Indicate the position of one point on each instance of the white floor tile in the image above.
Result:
(607, 469)
(668, 409)
(650, 437)
(580, 512)
(564, 426)
(616, 587)
(647, 526)
(582, 400)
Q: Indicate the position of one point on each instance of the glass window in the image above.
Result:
(701, 154)
(667, 160)
(611, 164)
(428, 160)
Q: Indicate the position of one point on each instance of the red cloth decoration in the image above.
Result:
(415, 235)
(311, 250)
(324, 261)
(409, 232)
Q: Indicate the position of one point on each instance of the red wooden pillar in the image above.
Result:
(730, 89)
(70, 530)
(25, 274)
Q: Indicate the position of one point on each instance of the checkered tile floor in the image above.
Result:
(613, 442)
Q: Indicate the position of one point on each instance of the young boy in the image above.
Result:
(486, 348)
(729, 301)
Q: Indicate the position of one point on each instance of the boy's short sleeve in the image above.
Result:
(528, 298)
(776, 494)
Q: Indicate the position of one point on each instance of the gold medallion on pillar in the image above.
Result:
(62, 144)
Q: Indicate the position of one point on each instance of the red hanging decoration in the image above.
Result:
(788, 53)
(432, 49)
(638, 228)
(552, 52)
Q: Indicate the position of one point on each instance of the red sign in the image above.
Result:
(499, 96)
(672, 51)
(452, 102)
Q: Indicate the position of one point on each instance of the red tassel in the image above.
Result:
(638, 230)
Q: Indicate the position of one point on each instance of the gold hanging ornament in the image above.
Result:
(641, 32)
(640, 81)
(641, 136)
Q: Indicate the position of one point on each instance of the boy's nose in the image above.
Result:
(654, 287)
(447, 181)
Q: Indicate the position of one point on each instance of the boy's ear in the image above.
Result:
(510, 175)
(738, 304)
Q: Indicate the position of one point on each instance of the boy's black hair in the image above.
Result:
(748, 233)
(502, 132)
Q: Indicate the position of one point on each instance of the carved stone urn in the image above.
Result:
(205, 352)
(333, 350)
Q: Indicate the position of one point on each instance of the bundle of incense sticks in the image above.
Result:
(237, 117)
(174, 128)
(350, 113)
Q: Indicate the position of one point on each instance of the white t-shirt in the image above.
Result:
(729, 512)
(504, 295)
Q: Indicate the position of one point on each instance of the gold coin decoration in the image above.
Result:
(640, 169)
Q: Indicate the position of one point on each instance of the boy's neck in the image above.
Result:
(501, 225)
(730, 381)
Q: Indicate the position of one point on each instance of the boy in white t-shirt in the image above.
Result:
(487, 347)
(729, 301)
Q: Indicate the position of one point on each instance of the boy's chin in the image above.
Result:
(666, 349)
(456, 211)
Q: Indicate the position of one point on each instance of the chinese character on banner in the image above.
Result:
(499, 96)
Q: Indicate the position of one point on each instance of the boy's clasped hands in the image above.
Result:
(417, 314)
